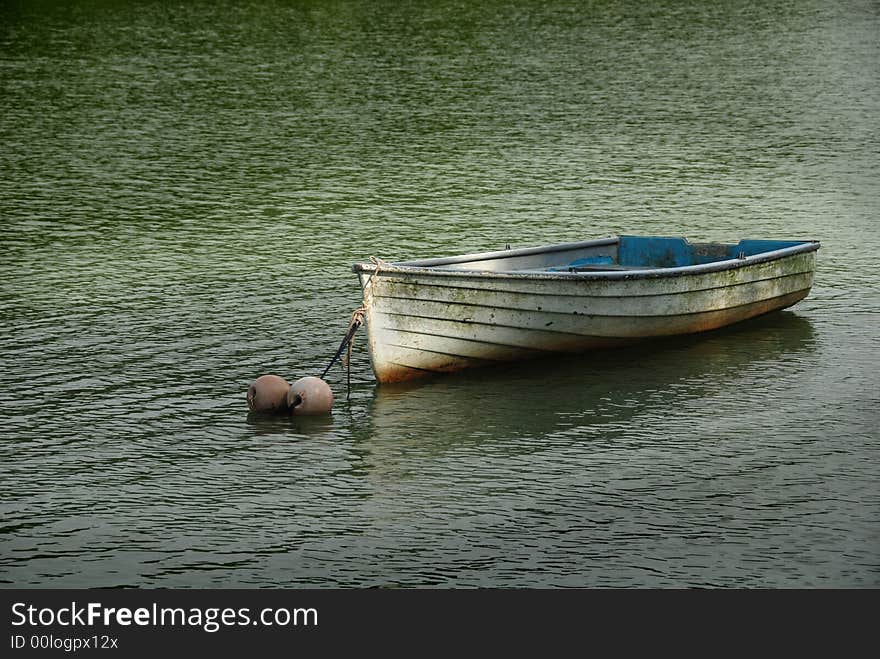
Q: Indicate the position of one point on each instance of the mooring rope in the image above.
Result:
(357, 319)
(379, 264)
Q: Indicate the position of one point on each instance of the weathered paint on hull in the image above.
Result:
(419, 323)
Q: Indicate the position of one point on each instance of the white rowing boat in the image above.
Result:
(447, 314)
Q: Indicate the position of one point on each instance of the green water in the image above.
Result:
(184, 187)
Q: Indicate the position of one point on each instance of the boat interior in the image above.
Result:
(607, 254)
(641, 252)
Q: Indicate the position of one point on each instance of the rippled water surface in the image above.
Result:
(184, 187)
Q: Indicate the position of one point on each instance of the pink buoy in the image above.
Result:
(268, 393)
(310, 395)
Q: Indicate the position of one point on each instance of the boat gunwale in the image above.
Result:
(428, 267)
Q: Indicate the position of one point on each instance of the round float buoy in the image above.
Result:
(310, 395)
(268, 393)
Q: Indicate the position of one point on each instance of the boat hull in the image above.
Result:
(433, 320)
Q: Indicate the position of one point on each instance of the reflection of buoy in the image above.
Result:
(310, 395)
(268, 393)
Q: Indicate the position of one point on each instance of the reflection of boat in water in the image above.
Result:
(604, 387)
(448, 314)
